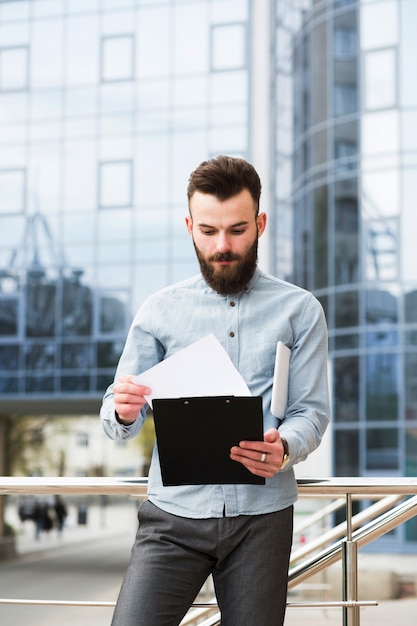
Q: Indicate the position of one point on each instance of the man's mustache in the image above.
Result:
(224, 256)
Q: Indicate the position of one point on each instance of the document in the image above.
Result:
(201, 369)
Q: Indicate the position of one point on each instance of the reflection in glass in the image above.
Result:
(381, 240)
(382, 395)
(382, 449)
(346, 342)
(112, 314)
(346, 232)
(346, 309)
(347, 458)
(410, 306)
(381, 307)
(40, 356)
(410, 376)
(76, 355)
(108, 353)
(9, 358)
(8, 317)
(346, 383)
(320, 237)
(411, 470)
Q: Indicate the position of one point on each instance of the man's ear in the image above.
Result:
(189, 224)
(261, 223)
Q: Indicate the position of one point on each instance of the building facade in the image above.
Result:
(105, 108)
(353, 192)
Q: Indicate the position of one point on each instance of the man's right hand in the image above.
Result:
(129, 399)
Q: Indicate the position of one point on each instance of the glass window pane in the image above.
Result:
(47, 50)
(346, 232)
(112, 313)
(381, 307)
(154, 61)
(382, 387)
(117, 60)
(115, 184)
(382, 247)
(382, 449)
(380, 79)
(373, 141)
(346, 309)
(12, 190)
(346, 408)
(14, 68)
(408, 256)
(347, 458)
(191, 36)
(407, 70)
(379, 24)
(410, 376)
(8, 316)
(228, 47)
(82, 51)
(320, 235)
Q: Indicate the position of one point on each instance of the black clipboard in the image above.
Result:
(194, 437)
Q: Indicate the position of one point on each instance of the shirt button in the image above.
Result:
(232, 303)
(232, 334)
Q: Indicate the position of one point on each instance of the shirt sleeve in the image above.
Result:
(142, 350)
(308, 409)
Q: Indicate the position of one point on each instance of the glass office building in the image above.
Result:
(105, 108)
(354, 199)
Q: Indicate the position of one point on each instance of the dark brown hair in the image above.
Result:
(225, 177)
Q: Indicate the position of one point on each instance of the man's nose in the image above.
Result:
(223, 243)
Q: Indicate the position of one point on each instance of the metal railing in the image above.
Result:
(393, 508)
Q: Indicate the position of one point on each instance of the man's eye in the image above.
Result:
(238, 231)
(208, 232)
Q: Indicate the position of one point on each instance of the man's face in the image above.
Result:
(225, 236)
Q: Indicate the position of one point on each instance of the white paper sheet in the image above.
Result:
(201, 369)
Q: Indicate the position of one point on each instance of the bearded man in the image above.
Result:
(239, 534)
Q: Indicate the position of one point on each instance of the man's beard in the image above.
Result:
(229, 279)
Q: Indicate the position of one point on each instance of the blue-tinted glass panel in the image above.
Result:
(382, 395)
(410, 377)
(382, 449)
(346, 460)
(8, 317)
(346, 309)
(346, 387)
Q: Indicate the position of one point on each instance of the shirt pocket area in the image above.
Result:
(263, 351)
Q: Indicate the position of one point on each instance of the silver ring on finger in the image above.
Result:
(263, 457)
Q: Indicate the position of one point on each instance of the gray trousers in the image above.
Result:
(172, 557)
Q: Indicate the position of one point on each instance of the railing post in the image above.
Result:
(351, 616)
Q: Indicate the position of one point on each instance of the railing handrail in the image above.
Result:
(307, 487)
(329, 488)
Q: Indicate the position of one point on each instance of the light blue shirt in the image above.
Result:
(248, 325)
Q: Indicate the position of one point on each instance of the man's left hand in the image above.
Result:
(262, 458)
